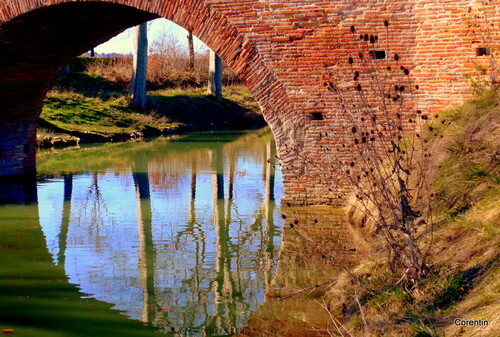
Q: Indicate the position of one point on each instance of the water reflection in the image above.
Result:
(179, 233)
(311, 258)
(18, 190)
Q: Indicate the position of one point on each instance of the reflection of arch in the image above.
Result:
(37, 41)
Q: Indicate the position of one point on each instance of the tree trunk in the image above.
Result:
(215, 76)
(139, 66)
(191, 51)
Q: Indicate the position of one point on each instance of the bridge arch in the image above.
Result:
(280, 49)
(37, 38)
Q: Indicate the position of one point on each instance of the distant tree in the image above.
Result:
(139, 67)
(215, 76)
(191, 51)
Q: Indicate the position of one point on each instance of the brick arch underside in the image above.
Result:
(37, 38)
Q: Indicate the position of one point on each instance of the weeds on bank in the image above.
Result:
(390, 160)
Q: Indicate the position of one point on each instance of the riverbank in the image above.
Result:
(463, 281)
(83, 108)
(459, 295)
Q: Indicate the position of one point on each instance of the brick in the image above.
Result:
(283, 50)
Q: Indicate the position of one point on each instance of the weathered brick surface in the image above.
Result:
(283, 50)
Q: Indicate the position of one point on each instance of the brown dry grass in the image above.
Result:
(165, 70)
(464, 281)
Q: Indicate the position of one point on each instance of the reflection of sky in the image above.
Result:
(102, 247)
(102, 254)
(50, 198)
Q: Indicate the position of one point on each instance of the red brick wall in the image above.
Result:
(283, 50)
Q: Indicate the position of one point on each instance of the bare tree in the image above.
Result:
(139, 67)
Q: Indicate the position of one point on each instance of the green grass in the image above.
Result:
(90, 103)
(193, 107)
(76, 112)
(470, 166)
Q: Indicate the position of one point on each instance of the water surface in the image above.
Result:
(176, 235)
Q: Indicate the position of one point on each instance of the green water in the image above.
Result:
(175, 236)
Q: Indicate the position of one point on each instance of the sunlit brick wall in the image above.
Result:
(283, 50)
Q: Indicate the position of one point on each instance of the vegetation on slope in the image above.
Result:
(464, 277)
(97, 108)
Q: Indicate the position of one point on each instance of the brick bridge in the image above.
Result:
(283, 50)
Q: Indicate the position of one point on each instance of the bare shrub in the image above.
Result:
(116, 69)
(390, 172)
(385, 152)
(169, 64)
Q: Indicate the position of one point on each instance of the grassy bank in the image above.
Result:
(464, 277)
(94, 108)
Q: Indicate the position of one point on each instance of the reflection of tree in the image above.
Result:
(218, 170)
(194, 231)
(214, 268)
(66, 214)
(242, 267)
(232, 161)
(98, 207)
(269, 208)
(269, 170)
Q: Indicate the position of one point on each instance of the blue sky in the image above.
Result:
(122, 43)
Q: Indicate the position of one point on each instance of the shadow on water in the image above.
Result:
(18, 190)
(310, 258)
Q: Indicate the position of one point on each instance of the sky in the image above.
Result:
(122, 43)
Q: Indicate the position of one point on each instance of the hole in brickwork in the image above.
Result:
(317, 116)
(377, 54)
(481, 51)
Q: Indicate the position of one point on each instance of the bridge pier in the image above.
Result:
(18, 147)
(17, 162)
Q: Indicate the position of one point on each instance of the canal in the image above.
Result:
(180, 234)
(177, 236)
